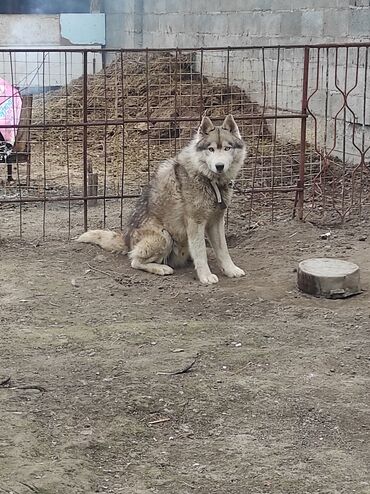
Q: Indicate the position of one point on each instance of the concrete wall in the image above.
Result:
(253, 22)
(124, 23)
(31, 71)
(220, 23)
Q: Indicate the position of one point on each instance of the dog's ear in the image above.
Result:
(230, 125)
(206, 126)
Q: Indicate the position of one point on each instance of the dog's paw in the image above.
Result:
(208, 279)
(234, 272)
(163, 270)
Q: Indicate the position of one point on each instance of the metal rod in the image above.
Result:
(302, 157)
(201, 110)
(273, 158)
(123, 137)
(177, 81)
(44, 146)
(17, 165)
(84, 142)
(173, 49)
(260, 134)
(26, 200)
(67, 144)
(65, 198)
(147, 119)
(123, 121)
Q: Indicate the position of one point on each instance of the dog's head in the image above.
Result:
(221, 148)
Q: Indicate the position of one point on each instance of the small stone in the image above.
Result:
(86, 432)
(362, 238)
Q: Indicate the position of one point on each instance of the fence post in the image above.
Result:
(301, 180)
(84, 139)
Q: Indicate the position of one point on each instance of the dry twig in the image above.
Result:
(181, 371)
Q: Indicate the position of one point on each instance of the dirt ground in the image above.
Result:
(277, 400)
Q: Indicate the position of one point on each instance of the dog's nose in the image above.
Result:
(220, 167)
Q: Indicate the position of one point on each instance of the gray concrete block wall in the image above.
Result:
(257, 22)
(197, 23)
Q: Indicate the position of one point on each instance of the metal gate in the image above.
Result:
(96, 123)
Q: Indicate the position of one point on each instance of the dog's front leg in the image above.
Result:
(198, 252)
(216, 235)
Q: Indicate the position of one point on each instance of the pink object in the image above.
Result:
(10, 110)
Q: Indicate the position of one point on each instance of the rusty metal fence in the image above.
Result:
(95, 124)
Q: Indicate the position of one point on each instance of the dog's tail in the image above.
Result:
(106, 239)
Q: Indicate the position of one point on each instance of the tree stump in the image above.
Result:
(329, 278)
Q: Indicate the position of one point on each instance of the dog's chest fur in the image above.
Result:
(175, 195)
(195, 197)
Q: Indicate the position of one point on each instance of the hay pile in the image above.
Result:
(168, 87)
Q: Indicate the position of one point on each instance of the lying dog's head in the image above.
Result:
(220, 148)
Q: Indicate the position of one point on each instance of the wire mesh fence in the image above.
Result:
(95, 124)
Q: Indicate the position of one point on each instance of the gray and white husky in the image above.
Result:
(184, 203)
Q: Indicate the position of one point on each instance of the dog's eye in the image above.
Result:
(211, 150)
(227, 148)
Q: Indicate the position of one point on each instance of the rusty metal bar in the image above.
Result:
(177, 76)
(228, 79)
(84, 142)
(123, 121)
(66, 198)
(201, 110)
(67, 145)
(11, 166)
(44, 147)
(363, 151)
(105, 150)
(147, 119)
(273, 158)
(259, 134)
(173, 49)
(292, 188)
(130, 196)
(123, 139)
(300, 196)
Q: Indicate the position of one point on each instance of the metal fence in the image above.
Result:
(95, 124)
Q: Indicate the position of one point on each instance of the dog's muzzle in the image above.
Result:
(220, 167)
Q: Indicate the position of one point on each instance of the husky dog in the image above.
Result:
(184, 203)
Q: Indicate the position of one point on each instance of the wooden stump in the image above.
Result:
(330, 278)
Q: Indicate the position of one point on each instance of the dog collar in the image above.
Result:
(218, 195)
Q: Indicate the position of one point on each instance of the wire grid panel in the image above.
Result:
(339, 128)
(103, 120)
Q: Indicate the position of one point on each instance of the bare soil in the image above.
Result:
(277, 400)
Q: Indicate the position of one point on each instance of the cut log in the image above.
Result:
(330, 278)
